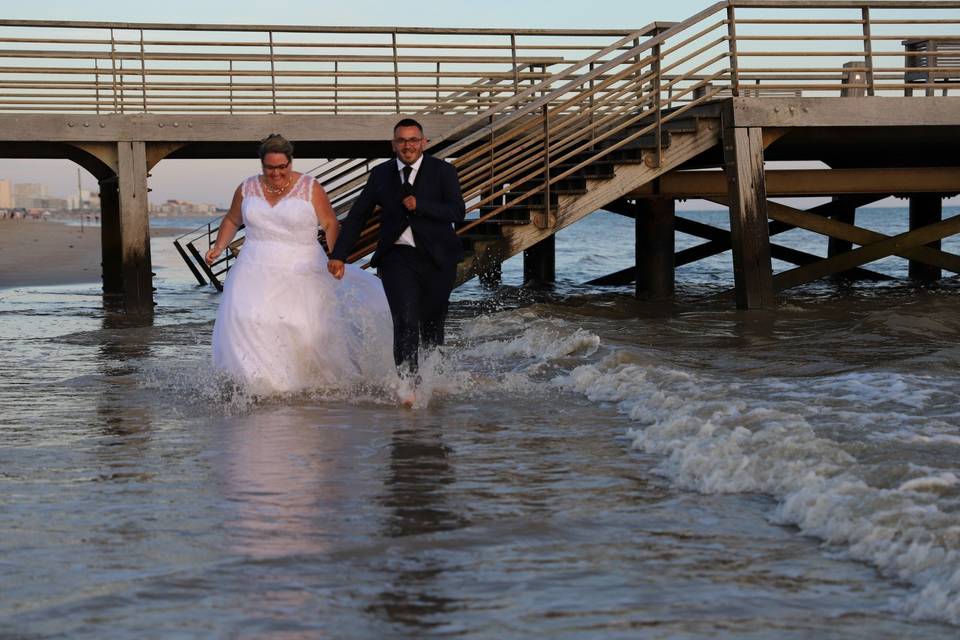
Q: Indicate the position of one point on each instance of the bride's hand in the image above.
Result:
(336, 268)
(212, 255)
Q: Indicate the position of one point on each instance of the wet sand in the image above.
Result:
(34, 252)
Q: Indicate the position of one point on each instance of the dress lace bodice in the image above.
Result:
(291, 219)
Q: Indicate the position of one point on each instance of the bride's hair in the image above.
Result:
(276, 143)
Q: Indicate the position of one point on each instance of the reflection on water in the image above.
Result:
(417, 475)
(587, 466)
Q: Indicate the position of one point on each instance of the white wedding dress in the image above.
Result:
(284, 323)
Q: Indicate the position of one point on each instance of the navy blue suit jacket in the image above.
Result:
(439, 205)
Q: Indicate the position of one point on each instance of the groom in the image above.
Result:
(417, 249)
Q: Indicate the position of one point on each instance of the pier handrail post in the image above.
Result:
(546, 166)
(732, 47)
(143, 74)
(868, 49)
(657, 104)
(96, 84)
(273, 75)
(113, 68)
(853, 74)
(396, 72)
(513, 63)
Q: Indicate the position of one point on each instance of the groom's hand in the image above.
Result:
(336, 268)
(410, 203)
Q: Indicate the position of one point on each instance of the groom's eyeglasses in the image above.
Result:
(402, 141)
(278, 167)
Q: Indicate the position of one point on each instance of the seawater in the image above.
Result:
(581, 465)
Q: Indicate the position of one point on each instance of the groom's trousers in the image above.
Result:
(418, 292)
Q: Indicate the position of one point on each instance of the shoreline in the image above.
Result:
(53, 252)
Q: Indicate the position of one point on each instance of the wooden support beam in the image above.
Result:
(134, 226)
(864, 237)
(810, 182)
(111, 247)
(846, 213)
(719, 241)
(655, 249)
(743, 165)
(925, 208)
(892, 245)
(539, 262)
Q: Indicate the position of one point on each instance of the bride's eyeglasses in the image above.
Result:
(275, 167)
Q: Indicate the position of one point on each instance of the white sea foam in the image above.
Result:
(714, 438)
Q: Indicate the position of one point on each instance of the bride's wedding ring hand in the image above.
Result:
(336, 268)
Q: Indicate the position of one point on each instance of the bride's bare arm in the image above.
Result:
(228, 228)
(325, 215)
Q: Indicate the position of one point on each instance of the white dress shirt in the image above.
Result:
(407, 236)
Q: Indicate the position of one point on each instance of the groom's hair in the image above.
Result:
(407, 122)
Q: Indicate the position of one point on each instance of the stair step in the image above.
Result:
(511, 216)
(685, 125)
(536, 200)
(643, 143)
(493, 227)
(593, 171)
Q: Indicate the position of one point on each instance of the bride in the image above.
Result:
(284, 323)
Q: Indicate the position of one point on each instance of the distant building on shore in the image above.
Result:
(27, 195)
(181, 208)
(6, 195)
(86, 201)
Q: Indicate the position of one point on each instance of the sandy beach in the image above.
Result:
(34, 252)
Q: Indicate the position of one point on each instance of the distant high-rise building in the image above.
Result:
(6, 195)
(29, 194)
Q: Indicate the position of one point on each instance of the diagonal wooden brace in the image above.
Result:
(891, 245)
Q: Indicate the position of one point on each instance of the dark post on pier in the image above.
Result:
(545, 127)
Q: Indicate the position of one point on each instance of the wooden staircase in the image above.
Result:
(571, 145)
(578, 194)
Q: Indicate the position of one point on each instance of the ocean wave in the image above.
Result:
(713, 438)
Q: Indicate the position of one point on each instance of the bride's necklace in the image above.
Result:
(275, 191)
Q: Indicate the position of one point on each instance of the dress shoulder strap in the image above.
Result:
(302, 189)
(251, 187)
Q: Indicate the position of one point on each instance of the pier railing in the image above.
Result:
(734, 48)
(774, 47)
(110, 67)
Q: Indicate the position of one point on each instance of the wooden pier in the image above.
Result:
(544, 127)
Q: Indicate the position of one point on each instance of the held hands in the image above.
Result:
(336, 268)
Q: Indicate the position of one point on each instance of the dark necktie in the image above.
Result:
(406, 189)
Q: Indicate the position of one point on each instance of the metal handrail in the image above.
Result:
(68, 66)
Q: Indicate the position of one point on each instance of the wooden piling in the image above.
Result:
(843, 210)
(743, 165)
(539, 262)
(655, 248)
(135, 268)
(111, 246)
(925, 209)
